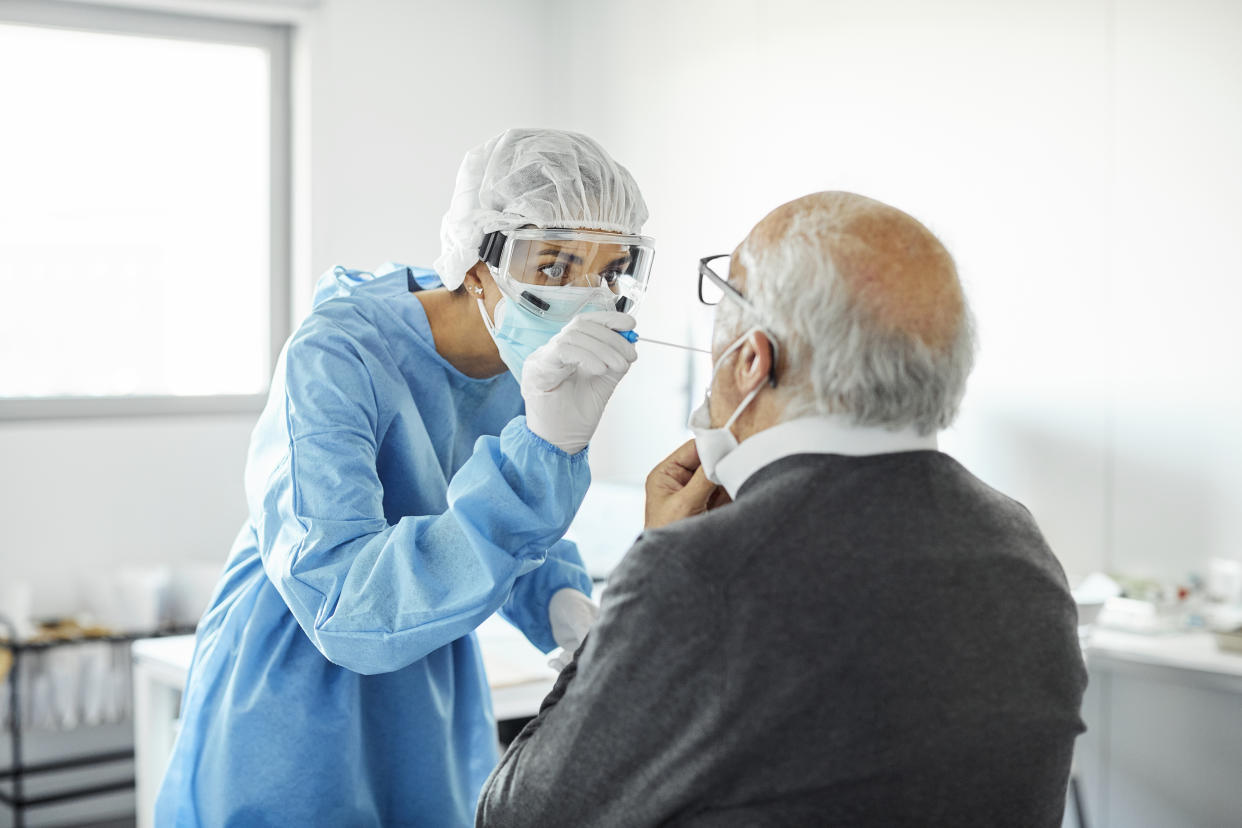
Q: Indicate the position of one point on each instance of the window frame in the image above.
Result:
(276, 39)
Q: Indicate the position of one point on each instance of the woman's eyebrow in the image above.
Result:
(561, 254)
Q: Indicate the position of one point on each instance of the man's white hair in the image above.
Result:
(838, 356)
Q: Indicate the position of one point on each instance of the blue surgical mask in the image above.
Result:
(517, 333)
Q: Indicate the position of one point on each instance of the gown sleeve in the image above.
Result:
(371, 596)
(527, 606)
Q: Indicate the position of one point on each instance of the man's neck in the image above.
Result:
(830, 434)
(764, 412)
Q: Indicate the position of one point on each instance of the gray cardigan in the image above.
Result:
(855, 641)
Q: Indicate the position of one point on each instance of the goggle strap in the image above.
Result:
(491, 248)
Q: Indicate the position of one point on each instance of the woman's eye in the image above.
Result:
(610, 277)
(553, 272)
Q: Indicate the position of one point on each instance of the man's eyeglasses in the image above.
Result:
(713, 286)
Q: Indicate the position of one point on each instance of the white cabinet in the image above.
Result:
(1163, 748)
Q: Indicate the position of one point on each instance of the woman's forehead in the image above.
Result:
(579, 248)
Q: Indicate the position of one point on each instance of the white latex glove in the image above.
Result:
(571, 615)
(567, 382)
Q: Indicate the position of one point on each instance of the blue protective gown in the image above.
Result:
(336, 677)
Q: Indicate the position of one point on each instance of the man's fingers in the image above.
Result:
(718, 498)
(699, 488)
(670, 503)
(674, 471)
(685, 456)
(680, 475)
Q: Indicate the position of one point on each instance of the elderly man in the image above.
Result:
(862, 633)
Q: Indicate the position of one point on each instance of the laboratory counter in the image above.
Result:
(1163, 744)
(1195, 655)
(1159, 707)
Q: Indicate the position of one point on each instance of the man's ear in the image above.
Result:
(754, 362)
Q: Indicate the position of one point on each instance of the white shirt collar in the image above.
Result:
(831, 434)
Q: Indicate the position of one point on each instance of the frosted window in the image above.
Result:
(134, 215)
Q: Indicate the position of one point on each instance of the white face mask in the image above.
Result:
(714, 444)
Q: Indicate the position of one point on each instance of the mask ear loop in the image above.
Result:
(741, 340)
(491, 329)
(742, 406)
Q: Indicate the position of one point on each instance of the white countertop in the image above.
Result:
(518, 673)
(520, 677)
(1190, 656)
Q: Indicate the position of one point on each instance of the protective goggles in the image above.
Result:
(557, 274)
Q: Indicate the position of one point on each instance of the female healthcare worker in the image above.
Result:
(398, 497)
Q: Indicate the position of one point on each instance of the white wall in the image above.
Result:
(399, 90)
(1176, 484)
(1080, 160)
(1079, 157)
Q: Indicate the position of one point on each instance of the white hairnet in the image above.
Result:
(539, 177)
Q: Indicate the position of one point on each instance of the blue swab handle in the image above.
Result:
(629, 336)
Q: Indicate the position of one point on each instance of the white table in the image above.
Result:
(517, 672)
(1194, 653)
(1164, 731)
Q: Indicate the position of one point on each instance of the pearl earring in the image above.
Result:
(476, 290)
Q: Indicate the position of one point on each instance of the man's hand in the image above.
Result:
(677, 488)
